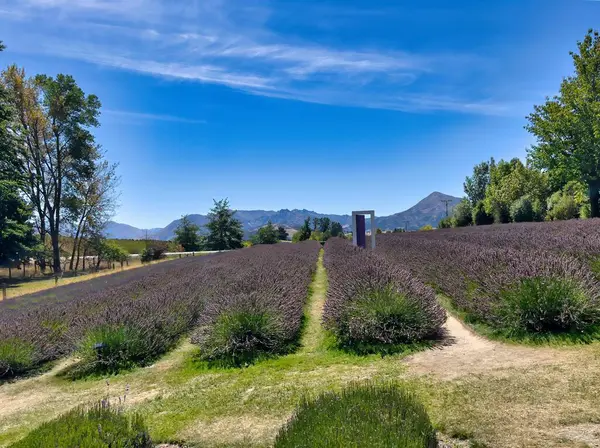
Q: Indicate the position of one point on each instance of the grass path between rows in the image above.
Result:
(477, 392)
(314, 336)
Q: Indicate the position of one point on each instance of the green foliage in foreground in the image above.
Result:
(110, 349)
(16, 357)
(369, 415)
(240, 337)
(98, 427)
(546, 305)
(383, 318)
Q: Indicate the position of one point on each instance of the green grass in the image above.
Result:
(97, 427)
(361, 415)
(182, 399)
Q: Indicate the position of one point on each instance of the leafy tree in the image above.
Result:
(567, 126)
(225, 232)
(445, 223)
(426, 227)
(53, 122)
(378, 231)
(16, 233)
(316, 223)
(480, 216)
(398, 230)
(569, 203)
(508, 182)
(282, 233)
(337, 229)
(522, 210)
(187, 235)
(324, 224)
(476, 185)
(305, 231)
(266, 235)
(463, 214)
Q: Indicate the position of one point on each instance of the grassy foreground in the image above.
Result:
(508, 401)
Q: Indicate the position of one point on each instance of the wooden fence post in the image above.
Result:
(3, 291)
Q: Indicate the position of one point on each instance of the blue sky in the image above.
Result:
(329, 105)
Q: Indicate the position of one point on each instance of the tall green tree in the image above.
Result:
(16, 233)
(567, 126)
(225, 232)
(187, 234)
(266, 235)
(336, 229)
(510, 181)
(305, 231)
(282, 233)
(476, 185)
(53, 127)
(462, 215)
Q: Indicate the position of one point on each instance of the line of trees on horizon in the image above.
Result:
(561, 176)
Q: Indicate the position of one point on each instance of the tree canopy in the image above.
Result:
(187, 235)
(266, 235)
(225, 232)
(567, 126)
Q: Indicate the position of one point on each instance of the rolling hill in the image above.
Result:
(427, 211)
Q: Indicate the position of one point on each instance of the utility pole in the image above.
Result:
(406, 226)
(446, 201)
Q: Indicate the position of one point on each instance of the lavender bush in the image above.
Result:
(372, 303)
(520, 291)
(260, 313)
(158, 305)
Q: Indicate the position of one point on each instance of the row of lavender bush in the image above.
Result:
(122, 322)
(517, 291)
(372, 303)
(579, 238)
(260, 312)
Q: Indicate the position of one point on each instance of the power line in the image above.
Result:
(446, 201)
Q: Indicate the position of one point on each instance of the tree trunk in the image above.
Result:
(54, 236)
(594, 197)
(84, 255)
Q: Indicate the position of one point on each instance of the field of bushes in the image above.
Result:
(531, 282)
(523, 281)
(132, 317)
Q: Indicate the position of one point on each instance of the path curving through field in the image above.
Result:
(467, 353)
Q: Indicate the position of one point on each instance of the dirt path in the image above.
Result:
(467, 353)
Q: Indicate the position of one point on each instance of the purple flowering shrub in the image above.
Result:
(133, 318)
(260, 313)
(372, 303)
(519, 291)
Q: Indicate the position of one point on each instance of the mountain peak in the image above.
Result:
(429, 210)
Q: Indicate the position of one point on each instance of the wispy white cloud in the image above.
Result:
(152, 117)
(229, 42)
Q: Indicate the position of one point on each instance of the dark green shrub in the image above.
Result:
(463, 214)
(383, 316)
(98, 427)
(546, 305)
(239, 337)
(480, 216)
(16, 357)
(445, 223)
(153, 253)
(369, 416)
(522, 210)
(110, 349)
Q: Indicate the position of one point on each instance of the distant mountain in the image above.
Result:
(428, 211)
